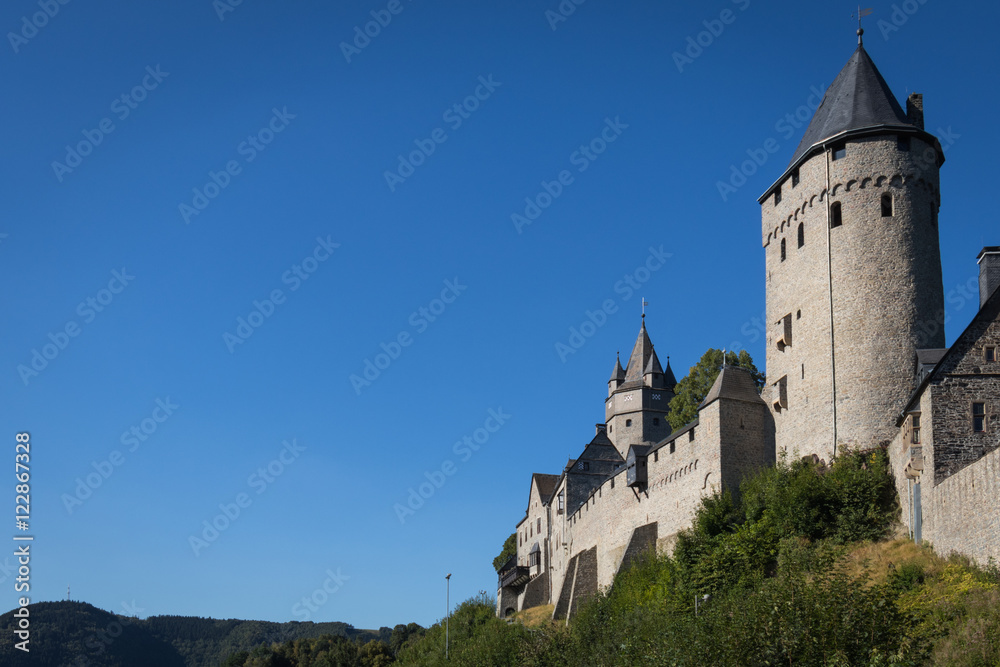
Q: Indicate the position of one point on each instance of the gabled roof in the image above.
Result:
(546, 485)
(641, 352)
(990, 311)
(733, 383)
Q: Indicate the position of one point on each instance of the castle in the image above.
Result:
(855, 360)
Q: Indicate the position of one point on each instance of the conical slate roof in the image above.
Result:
(669, 381)
(858, 98)
(640, 356)
(653, 365)
(618, 373)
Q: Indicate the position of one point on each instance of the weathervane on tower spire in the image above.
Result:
(861, 12)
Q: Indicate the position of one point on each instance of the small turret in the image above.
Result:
(652, 376)
(617, 376)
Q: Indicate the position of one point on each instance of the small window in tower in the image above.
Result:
(673, 447)
(539, 526)
(802, 234)
(803, 371)
(782, 250)
(798, 314)
(628, 422)
(611, 427)
(656, 421)
(795, 178)
(915, 429)
(990, 353)
(562, 501)
(835, 216)
(656, 455)
(777, 196)
(840, 151)
(691, 435)
(903, 143)
(887, 205)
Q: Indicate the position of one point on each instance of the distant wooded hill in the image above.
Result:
(78, 634)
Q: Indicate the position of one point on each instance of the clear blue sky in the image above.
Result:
(515, 293)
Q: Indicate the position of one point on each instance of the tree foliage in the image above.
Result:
(509, 549)
(693, 388)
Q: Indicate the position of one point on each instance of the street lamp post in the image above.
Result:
(447, 621)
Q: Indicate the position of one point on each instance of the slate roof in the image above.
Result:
(640, 356)
(734, 383)
(668, 377)
(858, 98)
(546, 485)
(618, 373)
(858, 101)
(653, 365)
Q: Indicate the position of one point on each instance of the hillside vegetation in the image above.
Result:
(798, 570)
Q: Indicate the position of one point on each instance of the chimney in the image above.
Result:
(915, 109)
(989, 272)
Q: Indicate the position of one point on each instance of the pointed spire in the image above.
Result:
(653, 365)
(669, 381)
(640, 355)
(618, 374)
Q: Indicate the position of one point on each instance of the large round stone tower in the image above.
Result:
(850, 233)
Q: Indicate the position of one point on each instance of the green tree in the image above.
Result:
(509, 549)
(691, 390)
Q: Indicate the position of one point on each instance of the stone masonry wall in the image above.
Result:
(962, 513)
(677, 482)
(886, 286)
